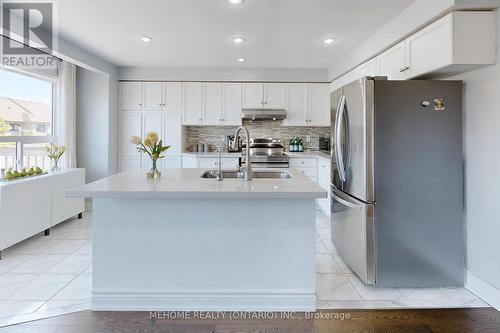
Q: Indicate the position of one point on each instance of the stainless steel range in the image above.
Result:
(266, 153)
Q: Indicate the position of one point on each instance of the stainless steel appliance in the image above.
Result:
(324, 145)
(267, 153)
(396, 181)
(231, 147)
(263, 114)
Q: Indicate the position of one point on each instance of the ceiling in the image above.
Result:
(198, 33)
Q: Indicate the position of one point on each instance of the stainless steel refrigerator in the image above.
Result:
(397, 181)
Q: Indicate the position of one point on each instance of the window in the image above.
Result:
(26, 120)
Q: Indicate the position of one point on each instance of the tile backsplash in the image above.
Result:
(212, 135)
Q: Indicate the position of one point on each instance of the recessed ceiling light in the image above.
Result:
(241, 60)
(329, 41)
(239, 40)
(235, 2)
(146, 39)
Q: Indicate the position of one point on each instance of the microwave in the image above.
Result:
(324, 145)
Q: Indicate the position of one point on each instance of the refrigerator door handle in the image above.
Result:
(338, 145)
(344, 202)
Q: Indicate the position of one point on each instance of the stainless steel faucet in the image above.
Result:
(248, 166)
(219, 176)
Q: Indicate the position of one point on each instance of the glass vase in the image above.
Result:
(154, 173)
(55, 165)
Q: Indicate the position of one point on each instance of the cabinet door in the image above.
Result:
(275, 95)
(368, 68)
(324, 182)
(193, 97)
(319, 104)
(172, 133)
(231, 109)
(392, 63)
(431, 48)
(296, 114)
(152, 121)
(131, 95)
(153, 95)
(212, 103)
(130, 124)
(173, 96)
(252, 96)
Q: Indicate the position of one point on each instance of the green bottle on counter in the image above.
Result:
(300, 145)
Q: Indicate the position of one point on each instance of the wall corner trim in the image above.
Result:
(482, 289)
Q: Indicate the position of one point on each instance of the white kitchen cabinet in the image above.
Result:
(173, 96)
(296, 114)
(264, 96)
(193, 103)
(212, 163)
(308, 166)
(130, 125)
(275, 96)
(173, 134)
(458, 42)
(153, 95)
(152, 121)
(308, 104)
(318, 100)
(324, 182)
(392, 63)
(212, 103)
(252, 96)
(231, 109)
(131, 95)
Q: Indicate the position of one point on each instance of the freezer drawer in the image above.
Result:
(353, 233)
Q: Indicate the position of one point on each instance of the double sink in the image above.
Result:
(212, 174)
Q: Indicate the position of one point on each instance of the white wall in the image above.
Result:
(482, 178)
(92, 123)
(225, 74)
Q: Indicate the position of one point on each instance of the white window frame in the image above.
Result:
(21, 140)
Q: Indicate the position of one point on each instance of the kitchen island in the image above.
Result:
(188, 243)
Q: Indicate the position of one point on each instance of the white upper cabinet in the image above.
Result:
(392, 63)
(318, 104)
(308, 104)
(212, 103)
(172, 96)
(296, 114)
(264, 96)
(252, 96)
(275, 96)
(231, 109)
(193, 103)
(131, 95)
(458, 42)
(153, 95)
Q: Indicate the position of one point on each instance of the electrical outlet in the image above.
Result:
(308, 138)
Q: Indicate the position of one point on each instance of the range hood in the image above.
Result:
(261, 114)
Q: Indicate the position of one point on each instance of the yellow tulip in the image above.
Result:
(135, 140)
(153, 136)
(147, 142)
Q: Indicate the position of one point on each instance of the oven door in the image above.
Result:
(353, 233)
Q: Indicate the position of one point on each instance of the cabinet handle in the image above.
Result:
(140, 104)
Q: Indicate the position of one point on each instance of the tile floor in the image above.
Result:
(50, 275)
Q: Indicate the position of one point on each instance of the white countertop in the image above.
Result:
(45, 175)
(187, 183)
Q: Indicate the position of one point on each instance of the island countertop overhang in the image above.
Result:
(187, 183)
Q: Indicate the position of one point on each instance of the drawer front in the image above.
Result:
(227, 163)
(303, 162)
(309, 172)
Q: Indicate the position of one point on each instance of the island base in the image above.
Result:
(204, 254)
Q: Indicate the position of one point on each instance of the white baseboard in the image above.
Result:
(482, 289)
(203, 301)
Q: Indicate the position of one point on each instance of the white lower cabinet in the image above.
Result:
(193, 161)
(48, 205)
(307, 166)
